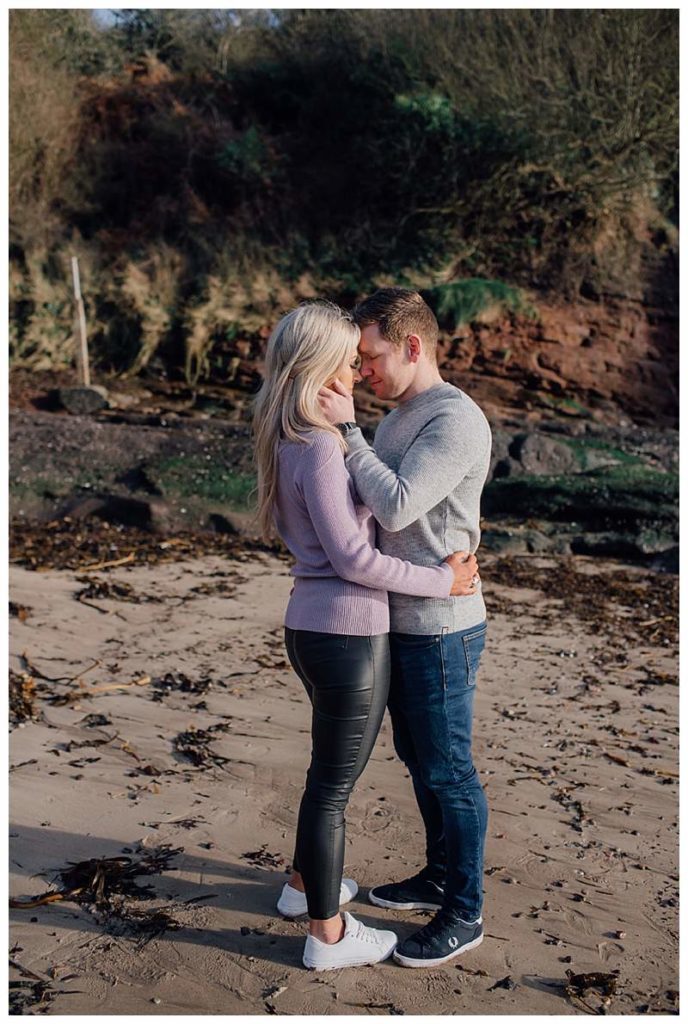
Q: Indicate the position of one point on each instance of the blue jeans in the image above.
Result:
(431, 707)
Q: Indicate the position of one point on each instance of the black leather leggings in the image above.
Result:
(347, 682)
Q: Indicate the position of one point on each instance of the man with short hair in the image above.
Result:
(422, 481)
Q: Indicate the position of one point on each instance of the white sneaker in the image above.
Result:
(292, 903)
(359, 945)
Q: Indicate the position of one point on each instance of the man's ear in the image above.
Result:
(415, 348)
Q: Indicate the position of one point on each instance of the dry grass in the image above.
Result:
(558, 130)
(151, 288)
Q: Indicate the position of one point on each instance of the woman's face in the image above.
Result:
(349, 373)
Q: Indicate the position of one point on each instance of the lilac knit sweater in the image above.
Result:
(341, 579)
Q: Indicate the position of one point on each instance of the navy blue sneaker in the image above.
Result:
(445, 937)
(417, 893)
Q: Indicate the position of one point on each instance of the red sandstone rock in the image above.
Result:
(622, 352)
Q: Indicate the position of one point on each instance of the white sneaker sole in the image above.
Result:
(351, 962)
(395, 905)
(408, 961)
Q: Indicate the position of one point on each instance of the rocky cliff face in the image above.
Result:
(582, 400)
(610, 362)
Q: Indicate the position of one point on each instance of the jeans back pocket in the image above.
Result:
(473, 647)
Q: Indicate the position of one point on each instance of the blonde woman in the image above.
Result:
(337, 619)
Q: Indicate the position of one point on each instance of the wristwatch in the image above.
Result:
(346, 428)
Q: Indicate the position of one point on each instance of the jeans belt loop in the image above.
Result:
(445, 630)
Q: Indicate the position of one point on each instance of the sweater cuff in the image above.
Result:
(356, 442)
(449, 572)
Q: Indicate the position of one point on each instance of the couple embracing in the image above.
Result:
(386, 608)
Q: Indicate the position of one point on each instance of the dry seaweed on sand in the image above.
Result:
(36, 672)
(97, 880)
(104, 885)
(76, 695)
(262, 858)
(87, 544)
(94, 721)
(178, 682)
(111, 590)
(31, 994)
(194, 744)
(29, 997)
(34, 991)
(219, 588)
(651, 597)
(22, 687)
(142, 925)
(601, 983)
(187, 823)
(19, 611)
(580, 816)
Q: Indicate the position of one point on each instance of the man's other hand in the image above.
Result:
(337, 404)
(466, 578)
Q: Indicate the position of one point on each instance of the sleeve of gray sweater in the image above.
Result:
(438, 458)
(324, 485)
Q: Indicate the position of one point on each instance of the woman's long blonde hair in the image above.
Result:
(306, 349)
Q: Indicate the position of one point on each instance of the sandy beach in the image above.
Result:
(575, 738)
(466, 218)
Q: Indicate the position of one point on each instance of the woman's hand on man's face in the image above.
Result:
(466, 578)
(337, 404)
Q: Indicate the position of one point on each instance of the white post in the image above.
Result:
(82, 345)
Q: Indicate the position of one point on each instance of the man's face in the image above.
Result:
(385, 367)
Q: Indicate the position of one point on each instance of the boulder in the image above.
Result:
(501, 439)
(233, 522)
(626, 498)
(116, 508)
(515, 539)
(222, 524)
(137, 479)
(666, 561)
(540, 455)
(81, 401)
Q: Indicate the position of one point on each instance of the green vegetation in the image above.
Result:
(212, 167)
(559, 403)
(591, 449)
(188, 477)
(608, 498)
(463, 301)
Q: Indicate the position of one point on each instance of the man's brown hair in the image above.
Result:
(399, 312)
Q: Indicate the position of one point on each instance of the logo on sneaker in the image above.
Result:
(453, 942)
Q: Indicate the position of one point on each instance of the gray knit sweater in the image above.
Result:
(341, 580)
(422, 482)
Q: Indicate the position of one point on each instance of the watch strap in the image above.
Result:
(346, 428)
